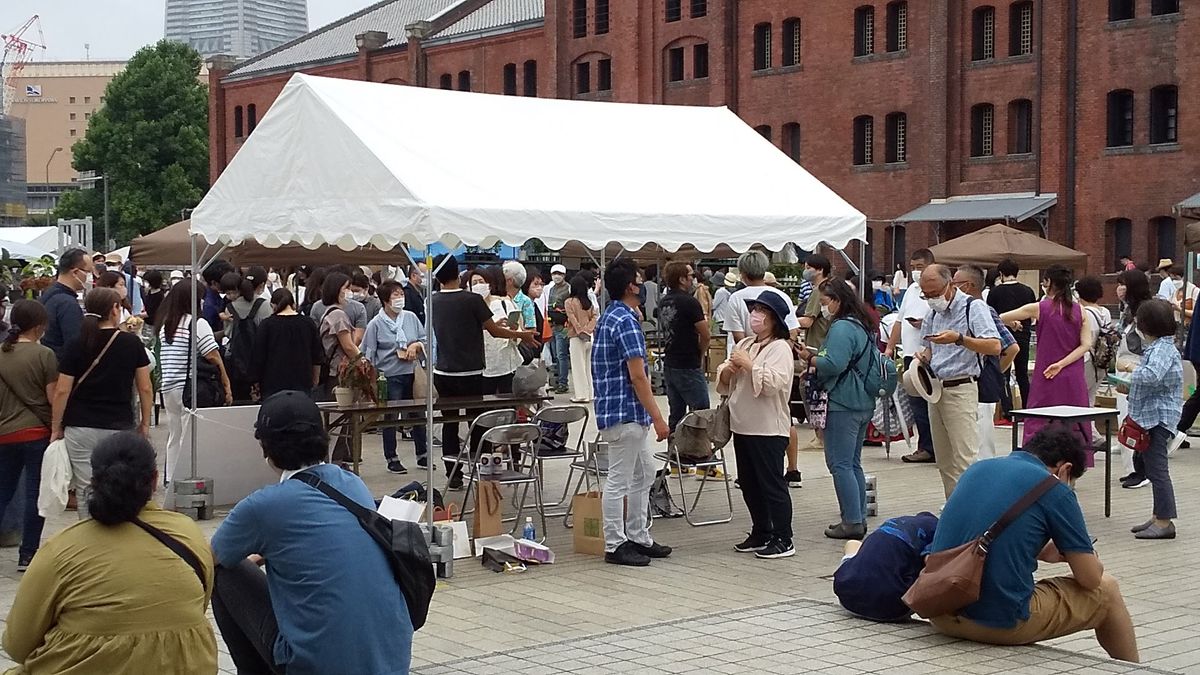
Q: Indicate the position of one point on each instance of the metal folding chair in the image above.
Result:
(525, 436)
(593, 464)
(673, 459)
(468, 454)
(567, 415)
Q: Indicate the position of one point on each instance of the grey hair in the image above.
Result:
(515, 271)
(753, 265)
(942, 272)
(976, 274)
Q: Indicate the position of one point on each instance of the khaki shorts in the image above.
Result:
(1059, 606)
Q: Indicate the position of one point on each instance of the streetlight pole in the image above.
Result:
(48, 201)
(107, 245)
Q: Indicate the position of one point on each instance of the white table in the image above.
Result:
(1074, 414)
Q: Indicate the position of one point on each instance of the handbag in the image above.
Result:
(1133, 435)
(719, 430)
(210, 393)
(177, 547)
(951, 578)
(529, 379)
(403, 544)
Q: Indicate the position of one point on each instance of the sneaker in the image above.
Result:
(752, 544)
(1176, 443)
(844, 531)
(23, 562)
(778, 548)
(1133, 482)
(737, 483)
(423, 461)
(1138, 528)
(455, 481)
(654, 550)
(1156, 532)
(626, 554)
(436, 441)
(714, 473)
(919, 457)
(394, 466)
(793, 479)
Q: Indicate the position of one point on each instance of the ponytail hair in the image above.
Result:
(26, 315)
(97, 307)
(254, 279)
(123, 475)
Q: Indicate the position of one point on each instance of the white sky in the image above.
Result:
(115, 29)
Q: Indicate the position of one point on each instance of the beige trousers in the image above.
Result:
(955, 432)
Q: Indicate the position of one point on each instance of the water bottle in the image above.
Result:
(528, 532)
(381, 389)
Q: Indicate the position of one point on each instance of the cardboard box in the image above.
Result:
(589, 523)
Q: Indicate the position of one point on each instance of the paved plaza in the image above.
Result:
(708, 609)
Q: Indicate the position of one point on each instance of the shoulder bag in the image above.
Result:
(403, 544)
(210, 393)
(991, 380)
(951, 578)
(177, 547)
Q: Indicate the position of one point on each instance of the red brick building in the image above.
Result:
(933, 117)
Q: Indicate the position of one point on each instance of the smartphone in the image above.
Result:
(514, 320)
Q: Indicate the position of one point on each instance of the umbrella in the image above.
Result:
(994, 243)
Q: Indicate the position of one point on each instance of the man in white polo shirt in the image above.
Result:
(907, 333)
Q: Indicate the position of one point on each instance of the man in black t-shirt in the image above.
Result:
(1008, 295)
(685, 334)
(459, 320)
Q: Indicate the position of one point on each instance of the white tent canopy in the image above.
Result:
(43, 238)
(354, 164)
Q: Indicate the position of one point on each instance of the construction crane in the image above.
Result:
(18, 50)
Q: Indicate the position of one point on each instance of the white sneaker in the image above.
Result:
(1176, 442)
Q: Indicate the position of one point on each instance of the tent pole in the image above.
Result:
(191, 407)
(429, 383)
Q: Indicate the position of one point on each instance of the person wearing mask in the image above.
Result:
(956, 335)
(393, 344)
(1063, 338)
(337, 342)
(246, 309)
(757, 378)
(1171, 273)
(534, 288)
(155, 292)
(1134, 289)
(841, 364)
(881, 290)
(312, 293)
(581, 327)
(214, 302)
(459, 320)
(1007, 296)
(906, 333)
(116, 281)
(128, 272)
(355, 311)
(175, 277)
(1013, 608)
(414, 293)
(28, 375)
(175, 361)
(1090, 291)
(817, 272)
(94, 395)
(515, 275)
(626, 415)
(287, 350)
(360, 291)
(111, 594)
(556, 296)
(282, 608)
(720, 302)
(501, 356)
(61, 300)
(685, 335)
(99, 265)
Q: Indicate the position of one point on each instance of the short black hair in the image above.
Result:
(1008, 267)
(1090, 288)
(360, 280)
(386, 289)
(818, 262)
(215, 270)
(70, 259)
(1156, 318)
(153, 279)
(331, 288)
(290, 451)
(123, 470)
(617, 277)
(447, 268)
(231, 281)
(924, 255)
(1057, 443)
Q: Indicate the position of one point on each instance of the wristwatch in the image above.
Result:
(959, 341)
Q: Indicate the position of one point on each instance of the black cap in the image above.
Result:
(774, 302)
(290, 412)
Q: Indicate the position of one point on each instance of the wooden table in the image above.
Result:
(1073, 414)
(359, 418)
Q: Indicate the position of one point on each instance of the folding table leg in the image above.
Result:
(1107, 467)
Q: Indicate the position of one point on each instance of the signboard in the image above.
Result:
(33, 90)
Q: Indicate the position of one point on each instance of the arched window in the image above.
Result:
(446, 81)
(1120, 118)
(1020, 28)
(983, 33)
(897, 26)
(238, 131)
(510, 79)
(251, 118)
(1120, 10)
(864, 141)
(762, 46)
(791, 42)
(530, 77)
(791, 140)
(1119, 232)
(897, 137)
(464, 80)
(983, 119)
(764, 130)
(1020, 126)
(864, 30)
(896, 235)
(1164, 114)
(1163, 228)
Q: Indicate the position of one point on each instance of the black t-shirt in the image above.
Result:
(678, 314)
(458, 318)
(104, 400)
(285, 350)
(1007, 297)
(152, 301)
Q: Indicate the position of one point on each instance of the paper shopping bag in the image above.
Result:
(488, 501)
(589, 523)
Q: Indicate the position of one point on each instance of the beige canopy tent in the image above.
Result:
(996, 242)
(1190, 209)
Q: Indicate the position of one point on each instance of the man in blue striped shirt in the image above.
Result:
(625, 413)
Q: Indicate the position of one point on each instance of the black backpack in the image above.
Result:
(240, 354)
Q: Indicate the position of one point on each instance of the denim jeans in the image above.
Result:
(560, 347)
(686, 390)
(400, 387)
(845, 432)
(1155, 460)
(13, 458)
(920, 413)
(241, 604)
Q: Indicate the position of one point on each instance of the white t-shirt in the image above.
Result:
(1097, 318)
(500, 355)
(174, 355)
(1166, 289)
(737, 314)
(913, 306)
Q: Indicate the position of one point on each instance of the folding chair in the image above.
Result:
(525, 436)
(468, 454)
(592, 464)
(565, 415)
(696, 422)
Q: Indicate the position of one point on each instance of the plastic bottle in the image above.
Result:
(528, 532)
(381, 389)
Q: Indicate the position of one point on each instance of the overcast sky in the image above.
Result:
(115, 29)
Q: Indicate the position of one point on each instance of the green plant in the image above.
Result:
(358, 375)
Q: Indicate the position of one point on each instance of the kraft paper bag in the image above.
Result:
(589, 523)
(488, 501)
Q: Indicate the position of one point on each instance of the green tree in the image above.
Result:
(151, 141)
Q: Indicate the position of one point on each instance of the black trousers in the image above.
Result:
(465, 385)
(241, 605)
(1191, 408)
(760, 462)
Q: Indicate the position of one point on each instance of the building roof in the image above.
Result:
(41, 69)
(493, 17)
(1002, 207)
(1191, 204)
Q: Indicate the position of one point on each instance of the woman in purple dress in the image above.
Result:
(1063, 337)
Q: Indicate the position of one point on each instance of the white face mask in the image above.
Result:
(355, 296)
(939, 304)
(398, 305)
(826, 312)
(877, 285)
(1179, 284)
(915, 276)
(481, 289)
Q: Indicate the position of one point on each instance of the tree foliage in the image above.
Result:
(150, 139)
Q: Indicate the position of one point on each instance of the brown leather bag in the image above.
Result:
(951, 578)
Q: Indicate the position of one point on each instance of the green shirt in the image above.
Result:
(847, 343)
(24, 373)
(816, 334)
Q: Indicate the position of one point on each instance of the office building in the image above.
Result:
(239, 28)
(12, 172)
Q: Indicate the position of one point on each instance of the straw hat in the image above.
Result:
(920, 381)
(1164, 263)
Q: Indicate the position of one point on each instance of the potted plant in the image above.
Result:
(37, 276)
(355, 381)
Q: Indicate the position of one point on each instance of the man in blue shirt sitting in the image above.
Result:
(328, 602)
(1012, 609)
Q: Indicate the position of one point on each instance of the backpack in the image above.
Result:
(1104, 349)
(240, 355)
(879, 377)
